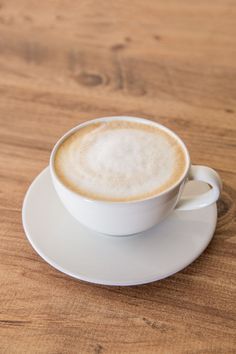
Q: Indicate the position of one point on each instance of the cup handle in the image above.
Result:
(204, 174)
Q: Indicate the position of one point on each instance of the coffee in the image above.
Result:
(120, 160)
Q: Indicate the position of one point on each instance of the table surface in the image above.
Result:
(64, 62)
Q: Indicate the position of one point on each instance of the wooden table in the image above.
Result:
(63, 62)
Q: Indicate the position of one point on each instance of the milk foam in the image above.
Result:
(119, 161)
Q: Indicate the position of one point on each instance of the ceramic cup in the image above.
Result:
(125, 218)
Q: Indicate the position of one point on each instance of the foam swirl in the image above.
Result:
(119, 161)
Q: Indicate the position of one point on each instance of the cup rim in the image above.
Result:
(117, 118)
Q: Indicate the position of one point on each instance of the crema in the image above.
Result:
(120, 161)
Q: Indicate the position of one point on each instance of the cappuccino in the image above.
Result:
(120, 161)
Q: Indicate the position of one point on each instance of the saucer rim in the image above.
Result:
(90, 280)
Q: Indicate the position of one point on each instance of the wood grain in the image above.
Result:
(63, 62)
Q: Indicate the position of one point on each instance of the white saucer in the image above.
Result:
(84, 254)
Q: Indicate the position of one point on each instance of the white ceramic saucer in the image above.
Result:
(84, 254)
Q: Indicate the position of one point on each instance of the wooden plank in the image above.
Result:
(64, 62)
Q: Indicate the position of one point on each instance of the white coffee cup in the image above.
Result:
(125, 218)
